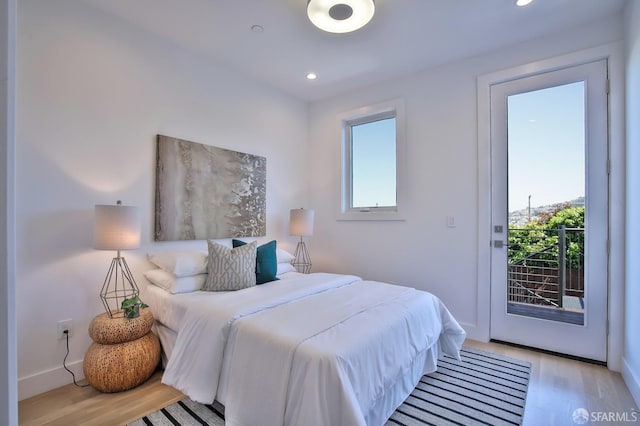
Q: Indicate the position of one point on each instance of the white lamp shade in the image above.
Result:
(116, 227)
(301, 222)
(340, 16)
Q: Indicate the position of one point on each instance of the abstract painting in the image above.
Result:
(207, 192)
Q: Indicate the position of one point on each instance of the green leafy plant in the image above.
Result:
(542, 232)
(131, 306)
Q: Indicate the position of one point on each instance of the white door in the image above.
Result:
(549, 156)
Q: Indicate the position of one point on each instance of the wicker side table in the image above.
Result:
(124, 352)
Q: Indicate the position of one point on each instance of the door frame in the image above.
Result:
(614, 53)
(8, 323)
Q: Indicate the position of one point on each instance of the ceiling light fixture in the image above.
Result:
(340, 16)
(522, 3)
(311, 76)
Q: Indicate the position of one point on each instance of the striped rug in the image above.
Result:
(483, 389)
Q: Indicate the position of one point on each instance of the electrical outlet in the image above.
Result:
(65, 325)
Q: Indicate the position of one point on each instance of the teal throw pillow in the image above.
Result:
(266, 261)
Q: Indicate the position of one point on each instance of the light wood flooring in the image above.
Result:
(71, 405)
(558, 387)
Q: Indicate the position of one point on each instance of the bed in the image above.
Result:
(316, 349)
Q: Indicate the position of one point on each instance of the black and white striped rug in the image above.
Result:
(484, 388)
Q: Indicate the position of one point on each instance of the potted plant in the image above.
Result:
(131, 306)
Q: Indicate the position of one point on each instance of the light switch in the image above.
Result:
(451, 221)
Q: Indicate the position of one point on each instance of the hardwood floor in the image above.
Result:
(558, 387)
(71, 405)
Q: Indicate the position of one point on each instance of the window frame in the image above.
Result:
(367, 114)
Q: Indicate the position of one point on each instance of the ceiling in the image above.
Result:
(403, 37)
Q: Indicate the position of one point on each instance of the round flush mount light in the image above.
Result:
(340, 16)
(522, 3)
(311, 76)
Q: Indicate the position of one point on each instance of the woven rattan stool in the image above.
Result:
(124, 352)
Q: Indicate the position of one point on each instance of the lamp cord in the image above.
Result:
(64, 363)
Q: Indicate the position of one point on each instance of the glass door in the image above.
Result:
(549, 211)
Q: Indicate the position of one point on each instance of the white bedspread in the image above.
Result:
(195, 364)
(315, 350)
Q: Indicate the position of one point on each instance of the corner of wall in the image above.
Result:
(631, 358)
(474, 332)
(632, 380)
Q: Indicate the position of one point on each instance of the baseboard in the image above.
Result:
(632, 380)
(44, 381)
(474, 332)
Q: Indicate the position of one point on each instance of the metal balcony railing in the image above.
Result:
(545, 265)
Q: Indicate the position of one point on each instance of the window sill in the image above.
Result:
(371, 215)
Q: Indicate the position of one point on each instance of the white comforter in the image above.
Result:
(318, 349)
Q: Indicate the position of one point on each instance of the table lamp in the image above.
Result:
(301, 225)
(117, 227)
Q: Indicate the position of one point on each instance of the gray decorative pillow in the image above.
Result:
(231, 269)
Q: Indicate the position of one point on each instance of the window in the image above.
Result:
(373, 162)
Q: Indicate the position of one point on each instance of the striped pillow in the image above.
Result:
(230, 269)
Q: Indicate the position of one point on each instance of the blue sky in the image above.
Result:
(546, 146)
(374, 163)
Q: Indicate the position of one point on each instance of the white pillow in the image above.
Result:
(231, 269)
(172, 284)
(285, 267)
(283, 256)
(180, 263)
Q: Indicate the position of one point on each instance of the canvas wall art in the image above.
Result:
(207, 192)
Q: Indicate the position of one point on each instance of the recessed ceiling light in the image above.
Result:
(523, 2)
(257, 28)
(311, 76)
(340, 16)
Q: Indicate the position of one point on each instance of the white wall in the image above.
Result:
(92, 95)
(8, 363)
(441, 110)
(631, 367)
